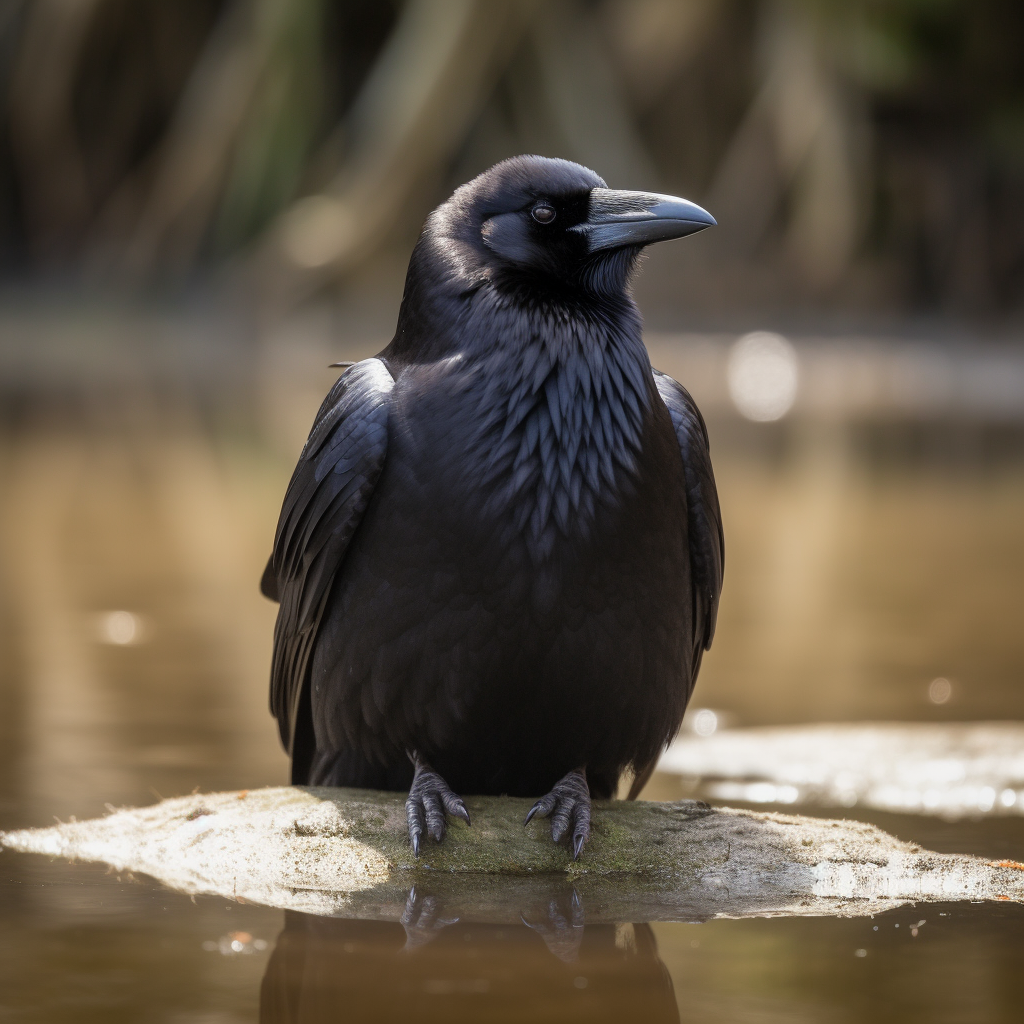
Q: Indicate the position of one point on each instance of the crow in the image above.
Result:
(500, 555)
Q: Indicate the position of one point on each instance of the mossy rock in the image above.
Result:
(344, 852)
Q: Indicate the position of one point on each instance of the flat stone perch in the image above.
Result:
(343, 852)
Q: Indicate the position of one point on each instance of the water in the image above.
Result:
(953, 770)
(80, 945)
(133, 657)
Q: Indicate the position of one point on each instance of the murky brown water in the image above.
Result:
(852, 583)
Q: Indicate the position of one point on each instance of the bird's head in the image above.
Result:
(542, 223)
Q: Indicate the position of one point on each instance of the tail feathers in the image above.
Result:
(642, 777)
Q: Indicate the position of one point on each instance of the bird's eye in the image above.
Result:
(543, 214)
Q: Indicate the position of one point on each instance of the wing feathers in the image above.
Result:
(324, 503)
(704, 526)
(704, 517)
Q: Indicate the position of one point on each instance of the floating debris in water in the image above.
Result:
(951, 770)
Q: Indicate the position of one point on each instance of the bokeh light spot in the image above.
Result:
(705, 722)
(119, 627)
(763, 376)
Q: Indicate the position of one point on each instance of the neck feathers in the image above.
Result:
(563, 400)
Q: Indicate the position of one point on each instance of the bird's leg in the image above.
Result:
(429, 800)
(568, 805)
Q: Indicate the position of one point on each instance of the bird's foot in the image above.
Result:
(560, 925)
(430, 800)
(568, 805)
(422, 920)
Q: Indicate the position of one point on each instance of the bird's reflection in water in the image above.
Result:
(550, 966)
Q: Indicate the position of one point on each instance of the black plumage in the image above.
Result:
(500, 554)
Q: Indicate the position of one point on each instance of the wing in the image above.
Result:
(324, 503)
(704, 518)
(704, 529)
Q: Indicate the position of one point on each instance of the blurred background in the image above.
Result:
(865, 156)
(205, 202)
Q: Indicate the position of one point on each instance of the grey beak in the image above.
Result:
(619, 218)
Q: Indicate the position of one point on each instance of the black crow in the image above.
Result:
(500, 555)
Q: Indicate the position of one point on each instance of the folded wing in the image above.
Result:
(325, 501)
(704, 517)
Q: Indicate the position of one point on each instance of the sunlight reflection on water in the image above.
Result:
(953, 770)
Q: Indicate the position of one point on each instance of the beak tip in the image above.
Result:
(703, 219)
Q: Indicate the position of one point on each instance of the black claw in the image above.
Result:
(544, 806)
(429, 799)
(568, 805)
(455, 806)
